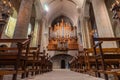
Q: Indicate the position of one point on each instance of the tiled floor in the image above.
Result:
(63, 75)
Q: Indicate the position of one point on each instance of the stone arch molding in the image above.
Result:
(51, 19)
(61, 54)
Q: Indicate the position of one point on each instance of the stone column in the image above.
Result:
(102, 20)
(85, 26)
(35, 35)
(79, 35)
(87, 32)
(83, 33)
(23, 19)
(40, 32)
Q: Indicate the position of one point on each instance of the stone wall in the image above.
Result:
(57, 61)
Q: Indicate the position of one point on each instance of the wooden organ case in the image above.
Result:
(63, 37)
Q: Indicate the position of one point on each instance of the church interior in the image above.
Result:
(59, 39)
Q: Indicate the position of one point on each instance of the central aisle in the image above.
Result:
(63, 75)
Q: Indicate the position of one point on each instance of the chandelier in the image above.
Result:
(116, 9)
(5, 9)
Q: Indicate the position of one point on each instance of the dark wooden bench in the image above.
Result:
(13, 56)
(22, 59)
(32, 60)
(110, 58)
(77, 63)
(43, 63)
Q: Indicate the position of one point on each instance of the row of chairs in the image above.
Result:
(99, 60)
(22, 59)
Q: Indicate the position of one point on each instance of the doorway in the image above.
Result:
(61, 61)
(63, 64)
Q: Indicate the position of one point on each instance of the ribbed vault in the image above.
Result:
(67, 8)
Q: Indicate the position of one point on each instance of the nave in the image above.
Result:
(40, 36)
(63, 74)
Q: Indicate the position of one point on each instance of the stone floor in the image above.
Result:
(63, 75)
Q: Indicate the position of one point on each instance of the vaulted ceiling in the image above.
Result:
(67, 8)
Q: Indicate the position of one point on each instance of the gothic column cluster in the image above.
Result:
(85, 33)
(23, 19)
(103, 23)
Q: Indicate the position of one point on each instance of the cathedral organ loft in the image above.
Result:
(63, 36)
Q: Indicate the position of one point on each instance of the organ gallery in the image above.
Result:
(62, 36)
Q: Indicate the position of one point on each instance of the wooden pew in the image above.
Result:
(13, 57)
(74, 65)
(44, 62)
(44, 65)
(81, 62)
(77, 64)
(100, 58)
(32, 60)
(50, 65)
(90, 59)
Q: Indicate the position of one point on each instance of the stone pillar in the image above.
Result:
(40, 32)
(87, 32)
(83, 33)
(102, 20)
(23, 19)
(85, 26)
(79, 34)
(35, 35)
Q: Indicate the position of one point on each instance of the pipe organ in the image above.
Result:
(62, 36)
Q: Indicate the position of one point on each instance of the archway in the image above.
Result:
(63, 64)
(61, 61)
